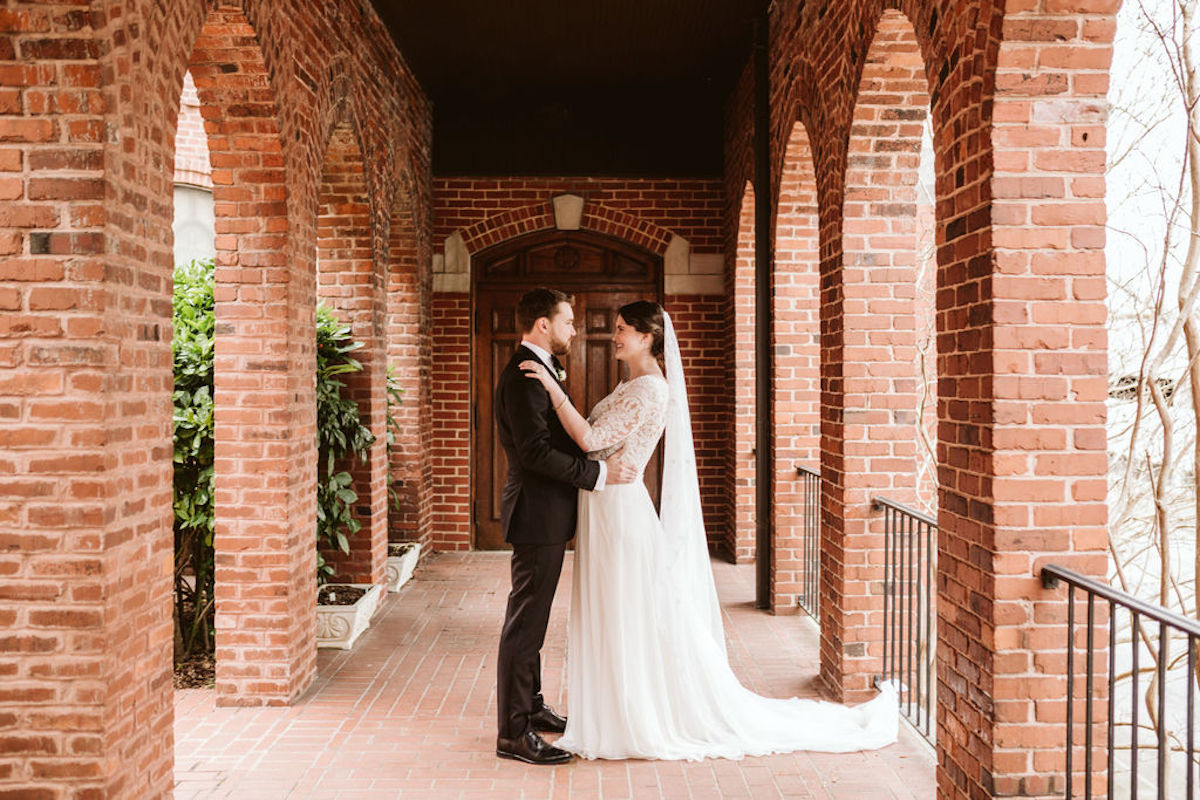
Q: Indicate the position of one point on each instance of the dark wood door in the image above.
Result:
(603, 275)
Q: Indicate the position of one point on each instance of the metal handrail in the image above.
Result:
(910, 609)
(880, 503)
(810, 546)
(1052, 575)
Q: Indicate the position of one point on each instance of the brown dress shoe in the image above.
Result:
(548, 720)
(532, 749)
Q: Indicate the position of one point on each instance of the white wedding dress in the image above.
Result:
(647, 671)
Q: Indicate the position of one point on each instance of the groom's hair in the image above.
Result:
(537, 304)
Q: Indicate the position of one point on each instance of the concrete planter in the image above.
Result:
(400, 566)
(340, 626)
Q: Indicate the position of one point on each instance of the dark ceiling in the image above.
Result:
(575, 87)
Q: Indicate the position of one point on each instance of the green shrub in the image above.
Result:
(192, 348)
(340, 434)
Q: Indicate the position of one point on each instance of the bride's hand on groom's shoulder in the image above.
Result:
(537, 371)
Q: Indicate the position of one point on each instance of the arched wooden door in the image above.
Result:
(603, 274)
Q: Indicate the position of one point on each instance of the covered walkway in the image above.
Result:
(879, 227)
(410, 713)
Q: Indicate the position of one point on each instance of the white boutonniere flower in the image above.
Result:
(562, 376)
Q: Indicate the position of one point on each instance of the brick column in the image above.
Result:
(265, 425)
(350, 283)
(1025, 444)
(410, 352)
(85, 414)
(740, 542)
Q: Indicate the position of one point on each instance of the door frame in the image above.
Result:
(568, 283)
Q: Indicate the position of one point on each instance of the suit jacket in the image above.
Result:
(546, 469)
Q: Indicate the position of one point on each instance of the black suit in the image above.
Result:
(538, 509)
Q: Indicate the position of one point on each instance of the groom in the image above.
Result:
(537, 514)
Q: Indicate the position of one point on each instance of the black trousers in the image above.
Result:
(535, 572)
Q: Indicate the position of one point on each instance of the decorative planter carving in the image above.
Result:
(402, 559)
(340, 626)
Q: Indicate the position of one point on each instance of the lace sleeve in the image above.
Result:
(616, 420)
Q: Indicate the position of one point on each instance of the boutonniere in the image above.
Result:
(562, 375)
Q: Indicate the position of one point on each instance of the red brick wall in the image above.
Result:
(740, 469)
(647, 212)
(91, 102)
(451, 422)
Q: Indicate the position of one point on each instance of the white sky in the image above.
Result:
(1146, 141)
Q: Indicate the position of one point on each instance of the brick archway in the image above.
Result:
(868, 305)
(627, 227)
(352, 285)
(536, 217)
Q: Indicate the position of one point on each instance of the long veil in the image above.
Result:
(685, 572)
(711, 698)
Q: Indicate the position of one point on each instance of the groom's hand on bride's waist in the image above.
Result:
(619, 470)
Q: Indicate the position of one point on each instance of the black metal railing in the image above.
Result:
(1172, 753)
(910, 609)
(810, 584)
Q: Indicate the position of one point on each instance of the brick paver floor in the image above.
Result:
(410, 712)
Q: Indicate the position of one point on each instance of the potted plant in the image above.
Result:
(401, 561)
(344, 612)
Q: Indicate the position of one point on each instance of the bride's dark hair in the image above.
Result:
(646, 317)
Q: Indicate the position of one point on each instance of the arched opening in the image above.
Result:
(795, 555)
(265, 623)
(193, 395)
(884, 404)
(926, 324)
(739, 544)
(352, 287)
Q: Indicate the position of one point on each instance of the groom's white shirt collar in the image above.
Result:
(545, 357)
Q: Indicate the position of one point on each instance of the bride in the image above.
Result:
(647, 672)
